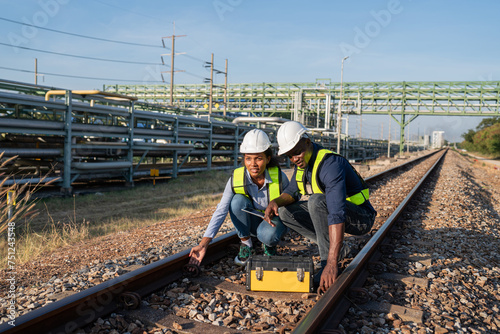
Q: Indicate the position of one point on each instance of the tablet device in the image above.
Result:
(254, 212)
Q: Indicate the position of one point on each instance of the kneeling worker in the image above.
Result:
(250, 187)
(339, 200)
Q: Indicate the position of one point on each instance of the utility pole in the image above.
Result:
(172, 56)
(339, 115)
(225, 90)
(211, 85)
(211, 82)
(36, 72)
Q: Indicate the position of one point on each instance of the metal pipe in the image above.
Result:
(98, 128)
(107, 95)
(30, 181)
(260, 119)
(31, 152)
(158, 146)
(101, 165)
(48, 125)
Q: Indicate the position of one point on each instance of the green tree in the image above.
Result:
(487, 141)
(487, 122)
(469, 136)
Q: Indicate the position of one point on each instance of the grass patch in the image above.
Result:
(65, 221)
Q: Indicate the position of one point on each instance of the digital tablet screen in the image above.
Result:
(254, 212)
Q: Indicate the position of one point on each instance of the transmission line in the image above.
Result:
(73, 76)
(83, 57)
(79, 35)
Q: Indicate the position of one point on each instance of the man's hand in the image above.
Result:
(329, 275)
(271, 212)
(331, 270)
(272, 208)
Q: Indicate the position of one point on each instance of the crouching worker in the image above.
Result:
(250, 187)
(338, 199)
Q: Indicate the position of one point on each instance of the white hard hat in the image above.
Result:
(255, 141)
(289, 135)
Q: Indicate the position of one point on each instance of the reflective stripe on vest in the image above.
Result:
(239, 182)
(357, 199)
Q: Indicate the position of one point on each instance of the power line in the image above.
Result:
(79, 35)
(83, 57)
(74, 76)
(99, 39)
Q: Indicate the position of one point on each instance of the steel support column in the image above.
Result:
(130, 153)
(176, 155)
(236, 148)
(66, 186)
(328, 110)
(210, 143)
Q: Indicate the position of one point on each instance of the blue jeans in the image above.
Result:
(249, 225)
(310, 219)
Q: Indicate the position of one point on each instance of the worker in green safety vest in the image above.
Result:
(338, 199)
(250, 187)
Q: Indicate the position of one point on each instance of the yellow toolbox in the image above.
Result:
(280, 273)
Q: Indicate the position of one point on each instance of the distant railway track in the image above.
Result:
(165, 279)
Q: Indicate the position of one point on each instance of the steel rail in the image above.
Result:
(396, 168)
(82, 308)
(321, 311)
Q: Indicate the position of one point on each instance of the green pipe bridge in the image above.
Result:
(316, 103)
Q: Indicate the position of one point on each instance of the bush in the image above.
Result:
(485, 141)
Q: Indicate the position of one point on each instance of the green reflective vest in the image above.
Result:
(300, 176)
(239, 182)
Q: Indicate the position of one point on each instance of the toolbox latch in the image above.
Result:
(259, 273)
(300, 274)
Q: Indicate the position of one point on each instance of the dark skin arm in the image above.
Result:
(272, 207)
(330, 272)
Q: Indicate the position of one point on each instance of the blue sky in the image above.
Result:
(264, 41)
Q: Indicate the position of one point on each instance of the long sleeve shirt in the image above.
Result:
(339, 181)
(260, 199)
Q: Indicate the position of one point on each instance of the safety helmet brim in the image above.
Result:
(255, 141)
(289, 135)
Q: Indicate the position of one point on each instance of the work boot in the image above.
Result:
(269, 250)
(242, 258)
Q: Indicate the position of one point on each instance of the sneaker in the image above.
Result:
(269, 250)
(243, 256)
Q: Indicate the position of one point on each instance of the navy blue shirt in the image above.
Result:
(338, 180)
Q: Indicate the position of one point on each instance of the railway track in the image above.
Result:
(152, 288)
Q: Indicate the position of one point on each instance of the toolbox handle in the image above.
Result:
(300, 274)
(259, 273)
(280, 269)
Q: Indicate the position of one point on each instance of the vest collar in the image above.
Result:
(266, 176)
(310, 163)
